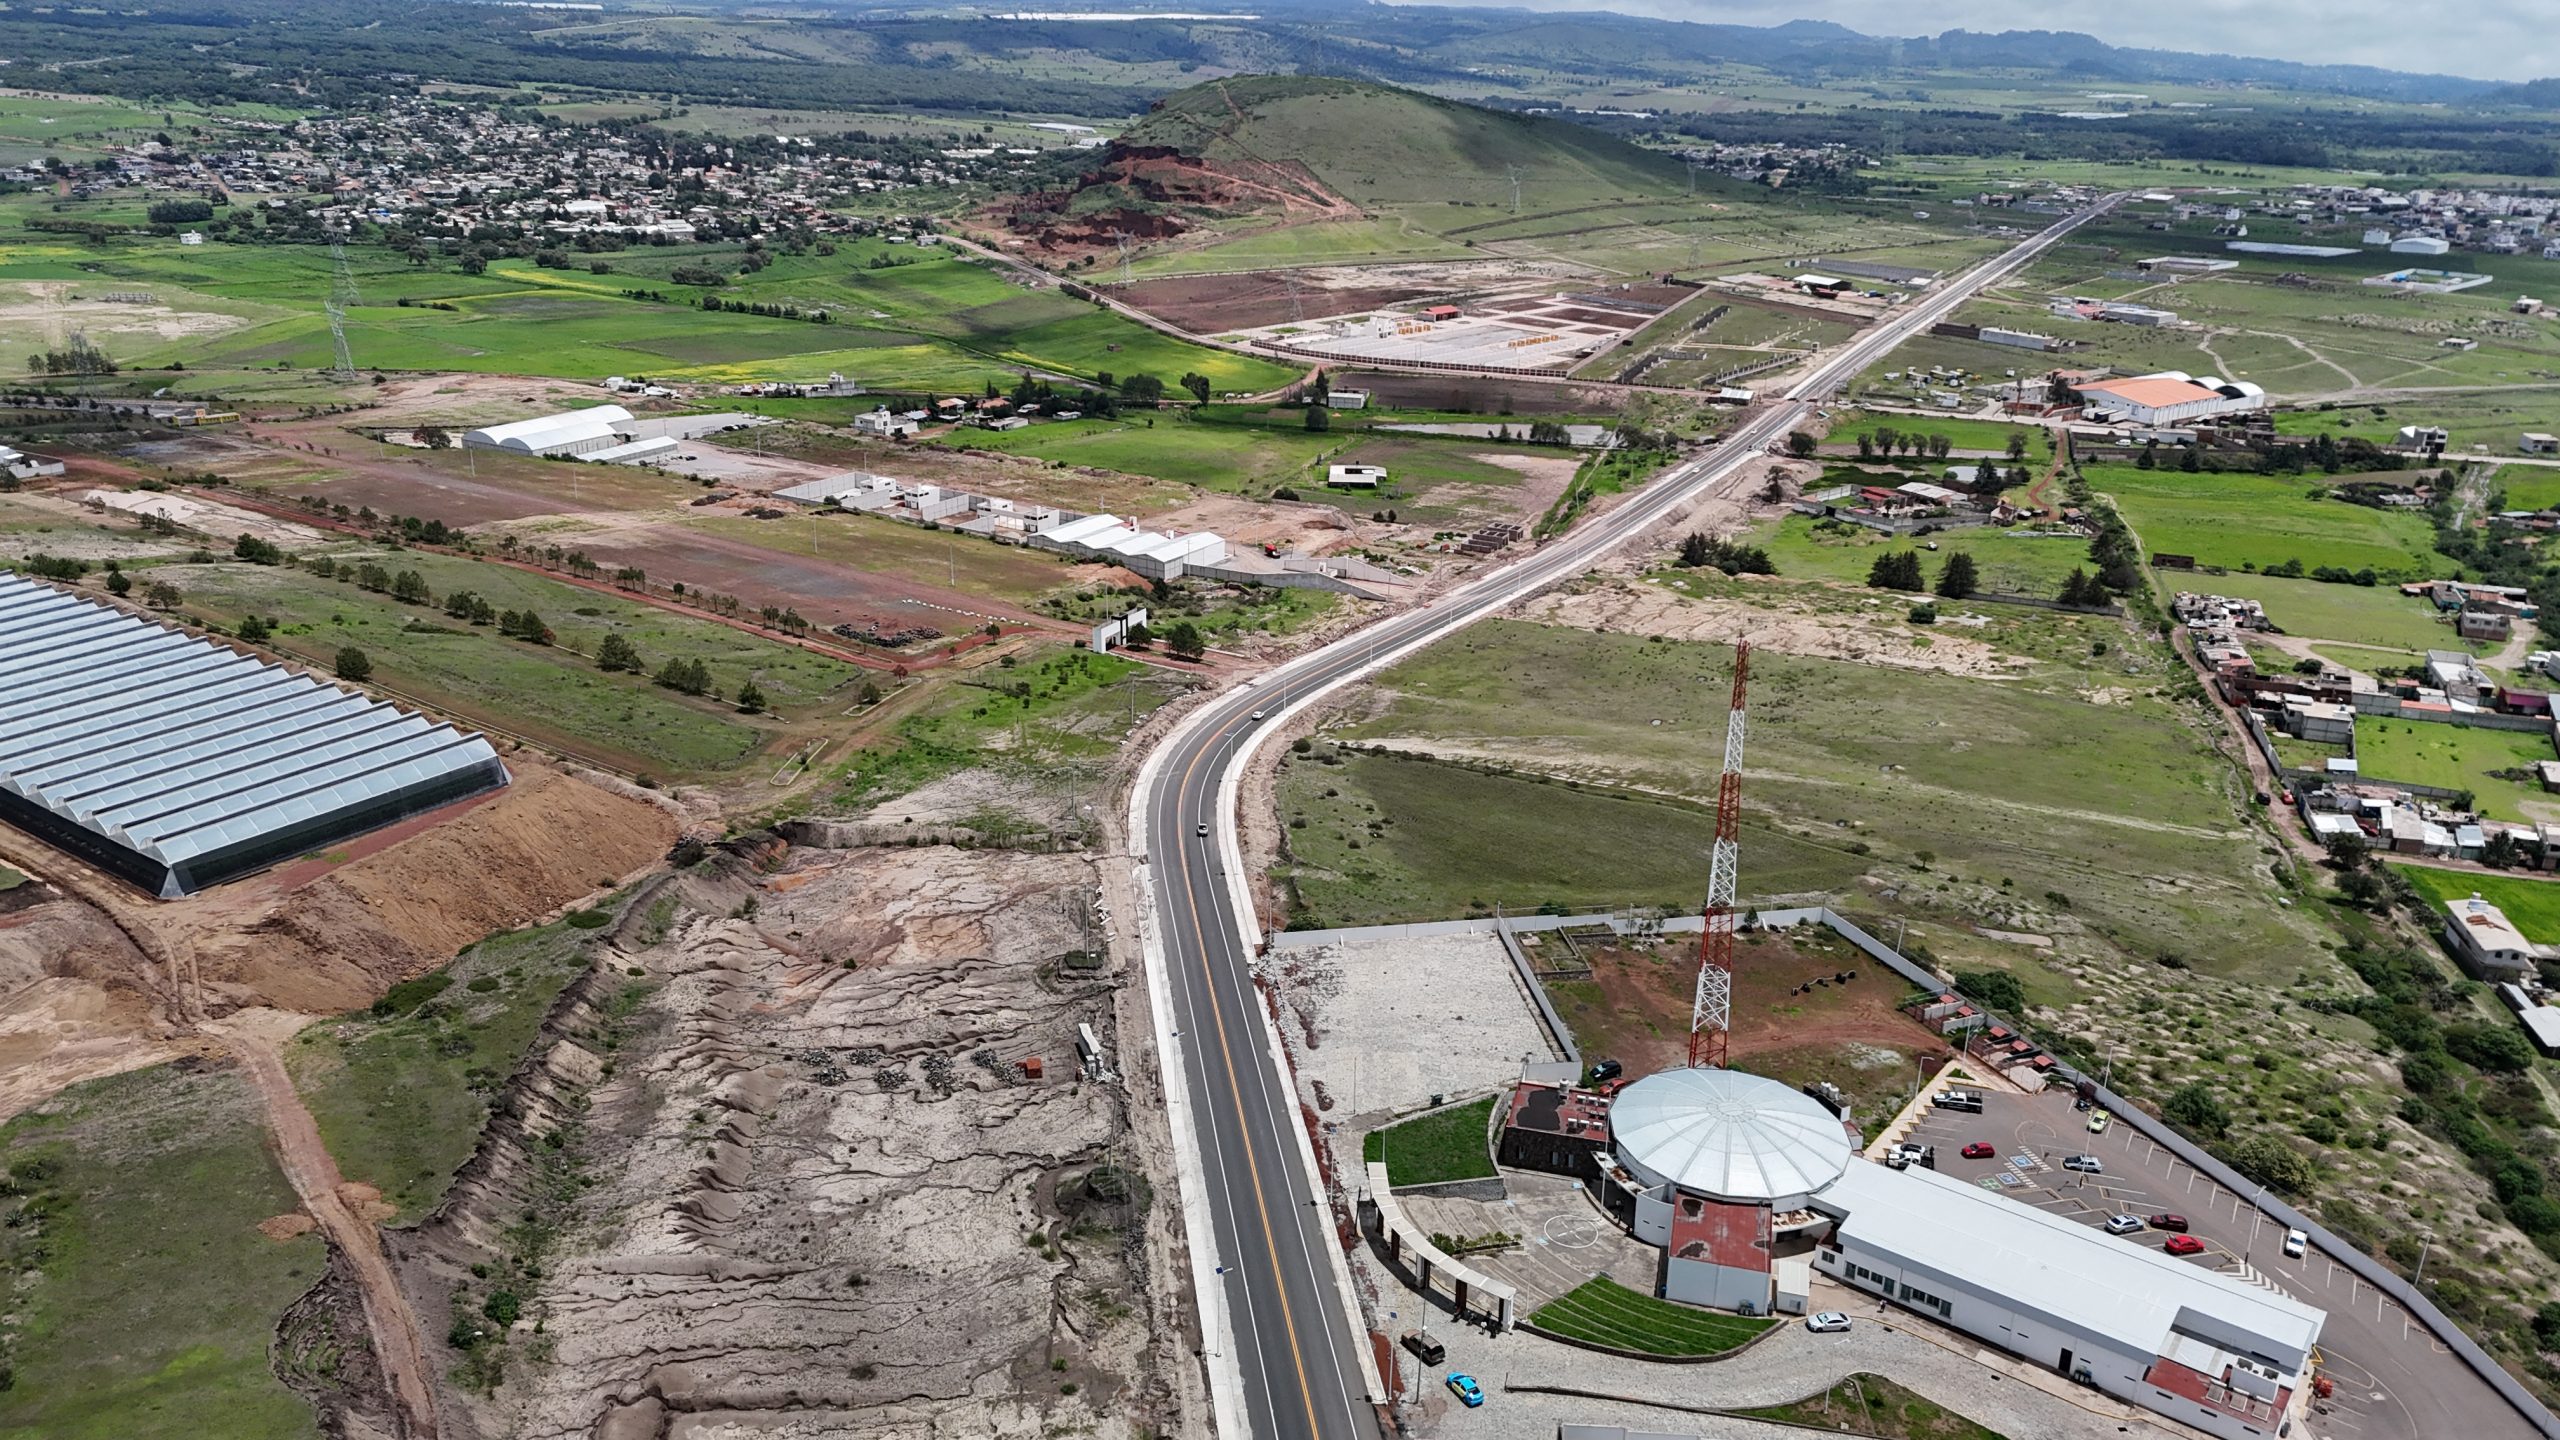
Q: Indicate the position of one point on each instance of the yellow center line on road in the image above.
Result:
(1235, 1093)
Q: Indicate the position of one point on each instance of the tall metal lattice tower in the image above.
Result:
(342, 293)
(1711, 1014)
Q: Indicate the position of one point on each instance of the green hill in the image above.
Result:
(1383, 148)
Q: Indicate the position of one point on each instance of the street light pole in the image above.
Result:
(2257, 1213)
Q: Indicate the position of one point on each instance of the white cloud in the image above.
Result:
(2495, 40)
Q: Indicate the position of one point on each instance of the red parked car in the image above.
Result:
(2183, 1245)
(1979, 1150)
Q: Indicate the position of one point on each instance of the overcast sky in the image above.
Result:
(2490, 39)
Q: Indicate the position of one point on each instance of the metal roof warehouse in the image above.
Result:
(179, 763)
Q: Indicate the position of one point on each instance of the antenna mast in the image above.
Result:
(1711, 1014)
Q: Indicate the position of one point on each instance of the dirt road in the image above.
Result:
(314, 1176)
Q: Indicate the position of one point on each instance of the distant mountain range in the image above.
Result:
(1408, 42)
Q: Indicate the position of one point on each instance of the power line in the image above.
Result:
(342, 293)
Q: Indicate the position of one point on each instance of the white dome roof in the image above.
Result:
(1729, 1135)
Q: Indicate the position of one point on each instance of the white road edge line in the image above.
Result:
(1226, 1375)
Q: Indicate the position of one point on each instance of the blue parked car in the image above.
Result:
(1464, 1386)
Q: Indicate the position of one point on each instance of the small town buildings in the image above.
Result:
(883, 424)
(2536, 442)
(1355, 477)
(2428, 438)
(2483, 625)
(2320, 721)
(2487, 945)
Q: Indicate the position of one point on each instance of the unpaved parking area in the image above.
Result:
(1380, 1025)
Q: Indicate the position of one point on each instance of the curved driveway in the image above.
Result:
(1287, 1355)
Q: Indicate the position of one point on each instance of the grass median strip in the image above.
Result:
(1605, 1312)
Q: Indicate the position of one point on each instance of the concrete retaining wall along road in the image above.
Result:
(1558, 1033)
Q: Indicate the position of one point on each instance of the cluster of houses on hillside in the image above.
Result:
(443, 166)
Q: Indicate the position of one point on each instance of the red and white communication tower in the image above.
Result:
(1711, 1014)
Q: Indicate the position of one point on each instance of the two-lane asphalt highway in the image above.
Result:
(1271, 1256)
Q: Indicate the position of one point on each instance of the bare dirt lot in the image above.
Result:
(828, 1199)
(1215, 304)
(1629, 607)
(1792, 1019)
(97, 978)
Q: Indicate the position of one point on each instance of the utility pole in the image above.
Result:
(1711, 1011)
(1515, 187)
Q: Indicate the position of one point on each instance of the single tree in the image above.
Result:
(119, 583)
(163, 595)
(254, 630)
(750, 699)
(434, 437)
(1957, 579)
(2017, 445)
(1897, 570)
(2196, 1109)
(1319, 418)
(1695, 550)
(1183, 639)
(614, 652)
(1800, 444)
(354, 665)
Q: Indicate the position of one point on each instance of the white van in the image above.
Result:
(2295, 1242)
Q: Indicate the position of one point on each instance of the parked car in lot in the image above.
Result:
(2084, 1164)
(2295, 1242)
(1964, 1101)
(1604, 1071)
(1464, 1386)
(1424, 1348)
(1907, 1154)
(2098, 1122)
(2183, 1245)
(2123, 1224)
(2176, 1224)
(1979, 1150)
(1826, 1322)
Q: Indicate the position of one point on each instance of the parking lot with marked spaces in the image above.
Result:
(2394, 1380)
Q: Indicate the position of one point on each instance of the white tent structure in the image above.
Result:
(571, 432)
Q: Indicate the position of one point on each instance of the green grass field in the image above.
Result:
(2460, 757)
(141, 1294)
(1053, 721)
(1605, 1312)
(1801, 546)
(2368, 617)
(1989, 435)
(1922, 782)
(1431, 1149)
(551, 692)
(933, 322)
(401, 1097)
(2249, 522)
(1239, 459)
(1391, 839)
(2532, 906)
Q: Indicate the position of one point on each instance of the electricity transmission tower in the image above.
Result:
(1711, 1013)
(1515, 187)
(1123, 237)
(342, 293)
(1297, 308)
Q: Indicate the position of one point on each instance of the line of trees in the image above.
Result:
(1958, 577)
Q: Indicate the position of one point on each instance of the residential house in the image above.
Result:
(2487, 945)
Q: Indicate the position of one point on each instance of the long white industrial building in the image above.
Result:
(572, 432)
(179, 763)
(1153, 555)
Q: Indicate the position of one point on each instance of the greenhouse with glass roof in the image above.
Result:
(179, 763)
